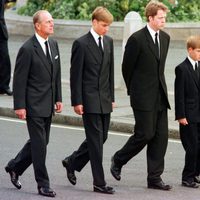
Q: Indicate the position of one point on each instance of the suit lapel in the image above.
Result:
(192, 72)
(163, 45)
(94, 49)
(106, 51)
(54, 54)
(151, 43)
(41, 55)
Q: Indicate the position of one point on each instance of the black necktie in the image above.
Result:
(100, 46)
(47, 53)
(156, 44)
(196, 69)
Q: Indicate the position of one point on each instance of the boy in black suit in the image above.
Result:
(187, 111)
(92, 96)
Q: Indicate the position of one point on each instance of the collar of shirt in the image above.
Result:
(96, 37)
(41, 42)
(152, 33)
(193, 62)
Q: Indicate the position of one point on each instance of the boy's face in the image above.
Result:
(100, 27)
(194, 53)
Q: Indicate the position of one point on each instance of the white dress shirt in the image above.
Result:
(96, 37)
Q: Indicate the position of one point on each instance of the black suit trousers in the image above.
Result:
(190, 138)
(5, 65)
(34, 151)
(96, 129)
(151, 129)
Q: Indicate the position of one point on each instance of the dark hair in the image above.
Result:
(152, 8)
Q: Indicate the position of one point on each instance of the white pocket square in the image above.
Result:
(56, 57)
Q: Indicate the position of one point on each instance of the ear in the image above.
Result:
(37, 26)
(94, 22)
(150, 18)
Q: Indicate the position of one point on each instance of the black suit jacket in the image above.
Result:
(143, 70)
(187, 92)
(3, 28)
(36, 88)
(91, 78)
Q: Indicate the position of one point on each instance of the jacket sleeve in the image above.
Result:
(76, 73)
(112, 72)
(179, 94)
(58, 92)
(20, 78)
(129, 59)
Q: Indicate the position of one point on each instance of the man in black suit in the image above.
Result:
(37, 92)
(187, 111)
(92, 96)
(143, 72)
(5, 65)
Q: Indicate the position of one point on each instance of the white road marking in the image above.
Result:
(76, 128)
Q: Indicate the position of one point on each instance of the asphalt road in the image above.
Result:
(63, 141)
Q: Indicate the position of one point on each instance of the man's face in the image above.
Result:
(100, 27)
(45, 26)
(157, 22)
(194, 53)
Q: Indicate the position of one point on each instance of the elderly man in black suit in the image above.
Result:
(5, 65)
(92, 96)
(187, 111)
(37, 95)
(143, 71)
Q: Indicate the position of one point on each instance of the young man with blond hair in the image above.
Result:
(92, 96)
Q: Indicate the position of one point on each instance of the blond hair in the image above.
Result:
(102, 14)
(152, 8)
(193, 42)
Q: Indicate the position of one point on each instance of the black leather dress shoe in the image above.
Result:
(6, 91)
(104, 189)
(190, 184)
(197, 179)
(45, 191)
(14, 178)
(70, 172)
(115, 170)
(159, 185)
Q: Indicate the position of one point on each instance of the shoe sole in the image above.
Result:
(185, 185)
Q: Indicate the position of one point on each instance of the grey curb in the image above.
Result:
(77, 121)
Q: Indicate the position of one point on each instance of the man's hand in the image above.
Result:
(183, 121)
(21, 113)
(59, 107)
(78, 109)
(113, 105)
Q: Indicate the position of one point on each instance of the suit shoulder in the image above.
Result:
(137, 36)
(108, 37)
(181, 66)
(82, 39)
(164, 34)
(52, 40)
(28, 44)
